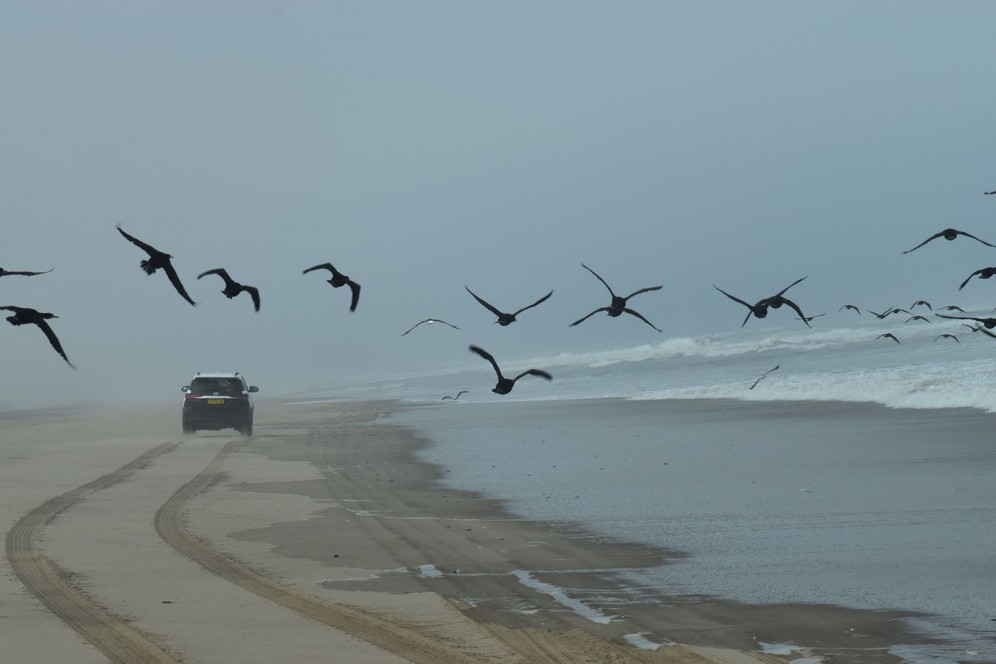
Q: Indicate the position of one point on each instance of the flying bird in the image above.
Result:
(339, 279)
(504, 318)
(809, 319)
(456, 398)
(988, 323)
(429, 321)
(888, 335)
(760, 309)
(762, 376)
(505, 385)
(922, 302)
(232, 287)
(989, 193)
(23, 273)
(918, 317)
(26, 316)
(947, 234)
(948, 336)
(850, 306)
(952, 307)
(158, 259)
(618, 304)
(888, 312)
(984, 273)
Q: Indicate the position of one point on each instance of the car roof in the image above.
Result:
(217, 374)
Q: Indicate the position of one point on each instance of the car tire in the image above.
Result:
(247, 429)
(189, 428)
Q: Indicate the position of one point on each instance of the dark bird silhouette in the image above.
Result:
(232, 287)
(809, 319)
(952, 307)
(988, 323)
(973, 328)
(26, 316)
(984, 273)
(762, 376)
(948, 336)
(989, 193)
(850, 306)
(339, 279)
(888, 335)
(947, 234)
(158, 259)
(760, 309)
(918, 317)
(22, 273)
(456, 398)
(430, 321)
(504, 318)
(505, 385)
(922, 302)
(888, 312)
(618, 305)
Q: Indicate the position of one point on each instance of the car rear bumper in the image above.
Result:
(233, 413)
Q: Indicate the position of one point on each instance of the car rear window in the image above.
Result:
(222, 386)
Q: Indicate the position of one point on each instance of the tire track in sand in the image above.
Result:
(398, 639)
(119, 642)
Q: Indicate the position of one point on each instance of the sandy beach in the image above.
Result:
(324, 538)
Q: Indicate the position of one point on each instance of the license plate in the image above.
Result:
(216, 402)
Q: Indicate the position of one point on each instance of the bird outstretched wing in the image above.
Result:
(599, 278)
(324, 266)
(762, 377)
(21, 273)
(175, 280)
(932, 237)
(428, 320)
(640, 316)
(254, 294)
(533, 372)
(975, 238)
(797, 310)
(54, 340)
(487, 356)
(355, 299)
(581, 320)
(643, 290)
(539, 301)
(488, 306)
(733, 297)
(147, 248)
(969, 278)
(221, 272)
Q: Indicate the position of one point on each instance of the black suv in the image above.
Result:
(218, 400)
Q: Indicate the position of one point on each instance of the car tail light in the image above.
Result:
(191, 395)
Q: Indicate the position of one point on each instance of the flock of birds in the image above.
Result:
(618, 305)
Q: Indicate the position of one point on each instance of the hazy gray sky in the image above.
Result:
(423, 146)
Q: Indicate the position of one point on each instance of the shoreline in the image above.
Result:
(579, 587)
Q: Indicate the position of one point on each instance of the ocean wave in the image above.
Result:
(942, 385)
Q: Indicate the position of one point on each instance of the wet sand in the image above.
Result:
(324, 534)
